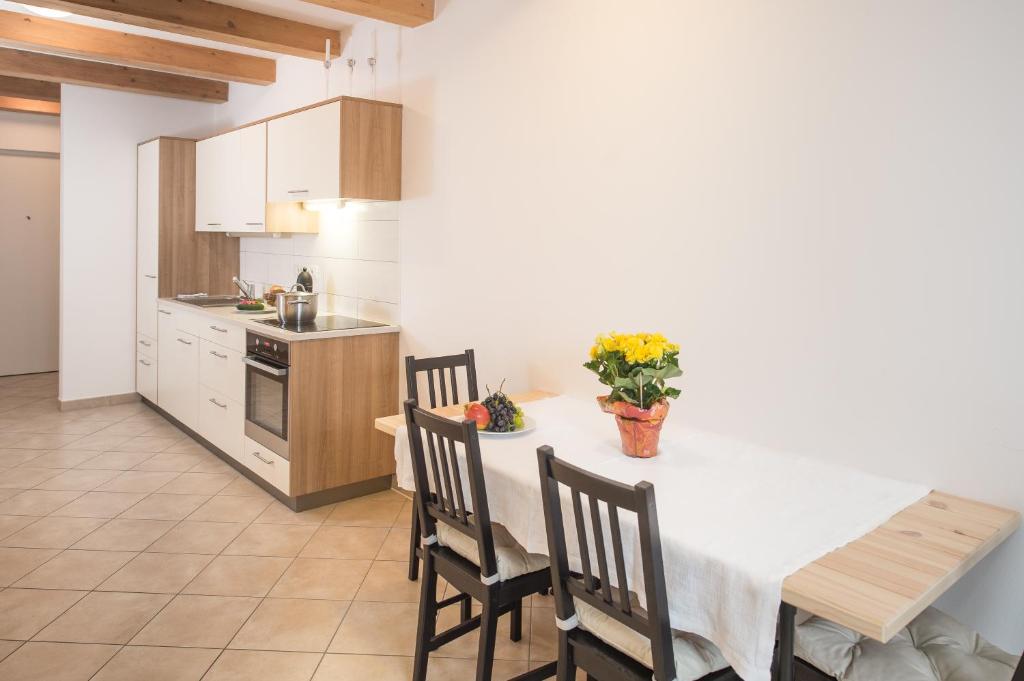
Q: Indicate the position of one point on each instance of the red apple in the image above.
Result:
(478, 413)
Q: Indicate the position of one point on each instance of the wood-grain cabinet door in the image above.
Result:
(211, 189)
(304, 155)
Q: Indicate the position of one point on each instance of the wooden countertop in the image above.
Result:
(877, 584)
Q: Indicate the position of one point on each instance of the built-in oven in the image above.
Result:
(266, 392)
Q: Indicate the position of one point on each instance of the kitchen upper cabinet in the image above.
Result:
(304, 155)
(231, 181)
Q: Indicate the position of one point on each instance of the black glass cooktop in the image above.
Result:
(326, 323)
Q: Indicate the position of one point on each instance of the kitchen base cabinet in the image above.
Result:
(221, 421)
(267, 465)
(146, 377)
(178, 373)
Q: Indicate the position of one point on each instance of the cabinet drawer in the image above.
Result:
(222, 370)
(146, 346)
(231, 336)
(181, 320)
(267, 465)
(221, 421)
(146, 377)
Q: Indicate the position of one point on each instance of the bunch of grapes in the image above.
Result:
(506, 417)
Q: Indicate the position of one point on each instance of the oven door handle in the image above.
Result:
(265, 368)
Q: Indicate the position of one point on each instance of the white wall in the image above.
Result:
(821, 201)
(29, 228)
(100, 130)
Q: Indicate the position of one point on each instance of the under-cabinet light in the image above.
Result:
(321, 205)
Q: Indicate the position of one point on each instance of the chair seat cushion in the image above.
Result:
(695, 657)
(934, 647)
(513, 560)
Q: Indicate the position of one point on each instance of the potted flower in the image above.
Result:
(635, 367)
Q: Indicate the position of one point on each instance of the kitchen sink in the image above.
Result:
(202, 300)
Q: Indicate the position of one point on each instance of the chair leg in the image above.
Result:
(516, 623)
(566, 665)
(427, 625)
(488, 637)
(414, 543)
(466, 609)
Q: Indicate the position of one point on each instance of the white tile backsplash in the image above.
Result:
(354, 261)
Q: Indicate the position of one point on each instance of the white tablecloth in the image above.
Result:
(735, 519)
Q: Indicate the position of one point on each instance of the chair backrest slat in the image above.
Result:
(570, 588)
(442, 390)
(446, 502)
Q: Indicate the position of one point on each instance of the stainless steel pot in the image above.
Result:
(296, 307)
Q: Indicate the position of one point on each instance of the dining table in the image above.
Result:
(875, 583)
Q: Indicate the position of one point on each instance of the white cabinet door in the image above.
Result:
(304, 155)
(222, 370)
(147, 232)
(267, 465)
(146, 377)
(146, 306)
(247, 165)
(211, 190)
(178, 372)
(221, 421)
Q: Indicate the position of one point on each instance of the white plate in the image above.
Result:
(528, 425)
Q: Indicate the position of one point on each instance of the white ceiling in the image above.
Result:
(288, 9)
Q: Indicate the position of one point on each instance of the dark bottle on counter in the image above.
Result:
(306, 279)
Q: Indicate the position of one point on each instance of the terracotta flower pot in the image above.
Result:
(639, 429)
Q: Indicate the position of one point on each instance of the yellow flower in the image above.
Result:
(594, 351)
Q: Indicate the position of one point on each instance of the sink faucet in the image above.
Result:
(248, 290)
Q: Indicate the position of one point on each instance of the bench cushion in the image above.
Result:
(934, 647)
(513, 560)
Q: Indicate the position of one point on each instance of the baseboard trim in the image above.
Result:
(103, 401)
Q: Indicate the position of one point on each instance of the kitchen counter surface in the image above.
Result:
(249, 321)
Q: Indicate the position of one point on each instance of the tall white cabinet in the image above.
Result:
(147, 269)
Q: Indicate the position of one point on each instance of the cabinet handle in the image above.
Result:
(298, 191)
(182, 340)
(222, 406)
(163, 312)
(254, 224)
(145, 343)
(213, 224)
(218, 355)
(217, 328)
(149, 276)
(144, 363)
(266, 461)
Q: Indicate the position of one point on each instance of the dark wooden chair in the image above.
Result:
(462, 545)
(602, 628)
(441, 393)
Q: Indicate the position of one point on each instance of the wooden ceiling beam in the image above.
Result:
(35, 106)
(210, 20)
(24, 88)
(24, 31)
(22, 64)
(410, 13)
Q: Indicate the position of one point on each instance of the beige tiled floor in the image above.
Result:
(127, 551)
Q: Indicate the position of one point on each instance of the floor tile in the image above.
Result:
(176, 625)
(135, 663)
(404, 519)
(251, 665)
(24, 477)
(377, 629)
(169, 461)
(131, 428)
(145, 443)
(100, 442)
(449, 669)
(186, 446)
(118, 461)
(43, 441)
(10, 458)
(165, 506)
(80, 479)
(6, 493)
(231, 509)
(243, 487)
(345, 542)
(543, 635)
(100, 504)
(468, 645)
(52, 533)
(271, 540)
(124, 534)
(74, 569)
(378, 668)
(321, 578)
(389, 581)
(375, 510)
(211, 464)
(15, 563)
(197, 483)
(157, 573)
(238, 576)
(8, 647)
(9, 524)
(37, 502)
(138, 481)
(62, 458)
(23, 612)
(291, 624)
(55, 662)
(396, 545)
(104, 618)
(281, 514)
(191, 536)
